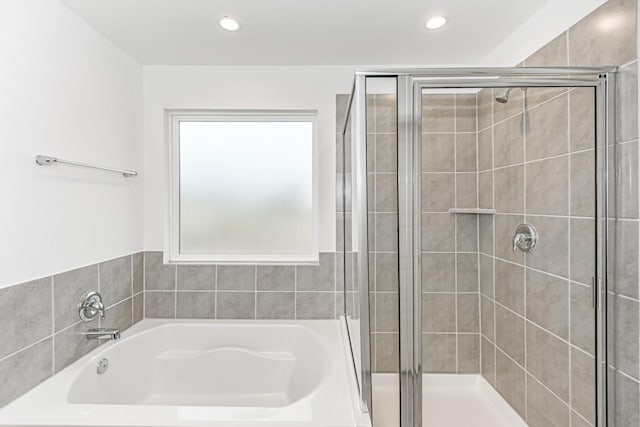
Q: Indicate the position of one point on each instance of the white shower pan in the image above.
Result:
(203, 373)
(448, 400)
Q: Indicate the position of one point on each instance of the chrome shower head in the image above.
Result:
(503, 97)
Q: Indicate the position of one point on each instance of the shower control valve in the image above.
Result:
(525, 238)
(91, 306)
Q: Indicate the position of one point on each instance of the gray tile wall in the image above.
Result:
(241, 291)
(382, 186)
(41, 327)
(536, 165)
(451, 338)
(618, 47)
(537, 351)
(382, 200)
(450, 300)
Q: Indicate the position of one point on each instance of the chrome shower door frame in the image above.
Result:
(410, 85)
(604, 86)
(361, 224)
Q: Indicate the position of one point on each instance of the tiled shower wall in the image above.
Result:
(382, 199)
(450, 260)
(450, 300)
(537, 319)
(40, 323)
(593, 41)
(537, 165)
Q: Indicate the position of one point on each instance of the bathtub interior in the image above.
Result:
(232, 365)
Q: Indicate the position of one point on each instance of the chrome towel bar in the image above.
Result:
(48, 161)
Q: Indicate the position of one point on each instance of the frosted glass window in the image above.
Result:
(246, 190)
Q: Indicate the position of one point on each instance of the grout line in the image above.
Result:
(523, 265)
(542, 159)
(28, 347)
(533, 107)
(66, 328)
(241, 291)
(564, 340)
(637, 207)
(335, 284)
(543, 216)
(99, 290)
(525, 128)
(624, 142)
(493, 232)
(568, 201)
(624, 374)
(480, 345)
(438, 333)
(118, 303)
(437, 292)
(374, 356)
(626, 297)
(144, 284)
(628, 63)
(430, 172)
(568, 46)
(573, 413)
(455, 131)
(215, 290)
(131, 282)
(455, 228)
(53, 327)
(567, 404)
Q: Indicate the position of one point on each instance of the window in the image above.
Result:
(242, 187)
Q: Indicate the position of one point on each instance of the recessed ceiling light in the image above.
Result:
(229, 24)
(436, 22)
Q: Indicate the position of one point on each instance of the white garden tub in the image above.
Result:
(203, 373)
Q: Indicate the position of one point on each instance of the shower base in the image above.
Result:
(448, 400)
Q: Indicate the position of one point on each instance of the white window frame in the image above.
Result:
(172, 220)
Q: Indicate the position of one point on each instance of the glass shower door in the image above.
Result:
(371, 245)
(508, 251)
(478, 245)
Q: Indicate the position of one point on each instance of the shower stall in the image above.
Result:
(477, 209)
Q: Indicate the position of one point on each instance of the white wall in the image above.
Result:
(68, 92)
(239, 88)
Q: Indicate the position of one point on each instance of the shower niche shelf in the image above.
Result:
(472, 211)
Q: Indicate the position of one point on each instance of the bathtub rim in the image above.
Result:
(333, 330)
(161, 325)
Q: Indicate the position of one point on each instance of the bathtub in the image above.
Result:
(203, 373)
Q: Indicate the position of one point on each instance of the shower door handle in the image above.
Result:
(525, 238)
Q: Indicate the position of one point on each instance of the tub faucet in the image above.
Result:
(102, 334)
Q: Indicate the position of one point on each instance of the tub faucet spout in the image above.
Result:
(102, 334)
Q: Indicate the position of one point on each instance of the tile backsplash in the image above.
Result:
(40, 323)
(42, 329)
(241, 291)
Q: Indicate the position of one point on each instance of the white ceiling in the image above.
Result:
(307, 32)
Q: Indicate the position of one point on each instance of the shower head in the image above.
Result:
(503, 96)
